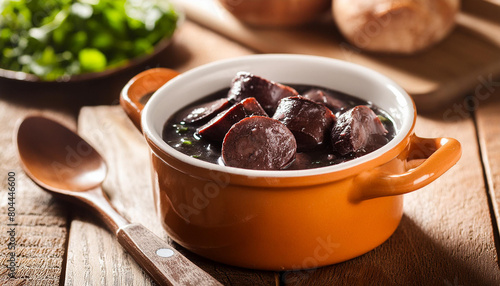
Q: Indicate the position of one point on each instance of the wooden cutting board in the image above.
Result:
(462, 64)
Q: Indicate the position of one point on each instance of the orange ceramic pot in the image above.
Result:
(288, 219)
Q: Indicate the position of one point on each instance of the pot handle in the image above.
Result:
(433, 157)
(139, 88)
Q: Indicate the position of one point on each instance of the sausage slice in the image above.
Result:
(268, 93)
(205, 111)
(309, 121)
(335, 104)
(259, 143)
(357, 130)
(216, 128)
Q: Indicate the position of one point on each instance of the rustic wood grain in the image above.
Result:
(93, 252)
(434, 77)
(195, 45)
(142, 244)
(42, 227)
(445, 236)
(488, 125)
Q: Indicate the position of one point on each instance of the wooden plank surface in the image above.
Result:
(434, 77)
(41, 230)
(195, 45)
(94, 256)
(487, 107)
(445, 236)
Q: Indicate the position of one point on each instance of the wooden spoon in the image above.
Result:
(64, 164)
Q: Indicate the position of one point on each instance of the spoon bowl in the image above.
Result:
(63, 163)
(58, 159)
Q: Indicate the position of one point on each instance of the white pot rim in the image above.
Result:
(348, 76)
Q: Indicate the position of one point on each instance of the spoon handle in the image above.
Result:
(165, 264)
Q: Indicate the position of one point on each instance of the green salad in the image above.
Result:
(54, 39)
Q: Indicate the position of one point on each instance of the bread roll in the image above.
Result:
(276, 13)
(395, 26)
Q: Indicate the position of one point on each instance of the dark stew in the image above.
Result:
(260, 124)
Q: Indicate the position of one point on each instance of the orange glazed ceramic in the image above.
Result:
(289, 219)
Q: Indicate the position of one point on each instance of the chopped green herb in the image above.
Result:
(186, 142)
(181, 129)
(383, 119)
(195, 156)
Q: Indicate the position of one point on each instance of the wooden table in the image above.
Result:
(448, 235)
